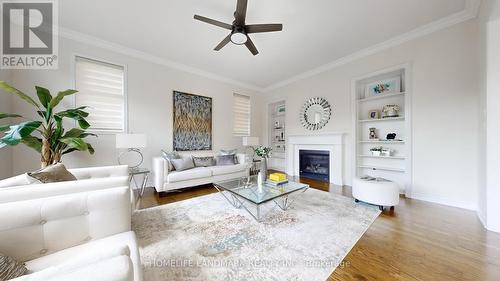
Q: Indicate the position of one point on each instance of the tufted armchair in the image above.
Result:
(95, 178)
(77, 236)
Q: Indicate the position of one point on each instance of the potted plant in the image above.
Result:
(376, 151)
(46, 134)
(263, 152)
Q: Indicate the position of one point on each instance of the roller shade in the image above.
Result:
(241, 115)
(101, 88)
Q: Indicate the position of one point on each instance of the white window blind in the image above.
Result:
(101, 87)
(241, 115)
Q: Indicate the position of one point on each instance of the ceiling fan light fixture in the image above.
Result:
(239, 38)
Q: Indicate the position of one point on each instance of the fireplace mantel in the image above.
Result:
(332, 142)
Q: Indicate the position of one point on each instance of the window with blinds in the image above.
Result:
(241, 115)
(101, 87)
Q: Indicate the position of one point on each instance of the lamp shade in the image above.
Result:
(250, 141)
(131, 140)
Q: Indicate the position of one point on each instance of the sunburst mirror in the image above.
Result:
(315, 113)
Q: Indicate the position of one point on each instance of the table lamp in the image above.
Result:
(133, 143)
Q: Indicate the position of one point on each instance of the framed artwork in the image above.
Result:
(192, 122)
(374, 114)
(386, 86)
(280, 109)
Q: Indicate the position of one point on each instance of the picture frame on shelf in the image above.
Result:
(374, 114)
(382, 87)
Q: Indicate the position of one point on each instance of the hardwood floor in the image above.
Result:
(417, 241)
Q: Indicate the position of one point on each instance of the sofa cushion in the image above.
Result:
(196, 173)
(169, 156)
(228, 169)
(10, 268)
(53, 173)
(111, 243)
(182, 164)
(222, 160)
(207, 161)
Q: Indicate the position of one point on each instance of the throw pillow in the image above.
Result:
(53, 173)
(224, 160)
(228, 151)
(183, 163)
(169, 156)
(10, 268)
(204, 161)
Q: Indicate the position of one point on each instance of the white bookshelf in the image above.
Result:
(277, 135)
(397, 166)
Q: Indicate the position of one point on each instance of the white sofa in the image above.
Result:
(78, 236)
(95, 178)
(166, 180)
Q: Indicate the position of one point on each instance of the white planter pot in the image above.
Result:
(375, 153)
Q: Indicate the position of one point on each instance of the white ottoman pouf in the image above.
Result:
(377, 192)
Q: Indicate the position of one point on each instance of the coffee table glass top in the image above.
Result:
(251, 191)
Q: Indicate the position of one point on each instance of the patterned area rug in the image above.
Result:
(205, 238)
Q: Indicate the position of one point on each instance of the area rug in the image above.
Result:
(205, 238)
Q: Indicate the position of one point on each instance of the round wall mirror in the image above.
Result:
(315, 113)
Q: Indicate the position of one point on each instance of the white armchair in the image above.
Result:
(78, 236)
(19, 188)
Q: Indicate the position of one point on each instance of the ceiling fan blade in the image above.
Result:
(213, 22)
(251, 47)
(258, 28)
(223, 43)
(241, 12)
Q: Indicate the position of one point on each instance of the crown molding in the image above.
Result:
(470, 11)
(97, 42)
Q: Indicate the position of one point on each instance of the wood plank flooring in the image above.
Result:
(418, 241)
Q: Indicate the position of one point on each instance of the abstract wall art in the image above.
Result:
(192, 122)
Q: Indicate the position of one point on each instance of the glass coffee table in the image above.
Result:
(245, 192)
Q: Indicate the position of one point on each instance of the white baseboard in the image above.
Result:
(442, 201)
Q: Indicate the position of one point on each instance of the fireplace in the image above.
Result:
(315, 164)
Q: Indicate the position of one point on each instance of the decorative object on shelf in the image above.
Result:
(373, 134)
(280, 109)
(390, 111)
(374, 114)
(133, 143)
(315, 113)
(192, 122)
(277, 125)
(376, 151)
(386, 86)
(391, 136)
(386, 152)
(47, 134)
(264, 153)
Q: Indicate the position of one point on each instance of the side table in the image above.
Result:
(132, 173)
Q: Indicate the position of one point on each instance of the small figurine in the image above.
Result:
(391, 136)
(373, 134)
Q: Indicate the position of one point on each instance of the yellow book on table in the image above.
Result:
(277, 177)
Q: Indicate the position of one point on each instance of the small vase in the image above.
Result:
(263, 169)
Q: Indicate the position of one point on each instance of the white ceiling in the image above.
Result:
(315, 32)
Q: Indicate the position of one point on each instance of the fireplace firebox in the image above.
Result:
(315, 164)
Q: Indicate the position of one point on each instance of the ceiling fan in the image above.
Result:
(239, 30)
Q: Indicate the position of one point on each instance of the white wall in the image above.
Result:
(149, 91)
(492, 126)
(445, 109)
(5, 107)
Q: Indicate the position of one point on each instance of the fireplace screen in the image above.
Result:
(315, 164)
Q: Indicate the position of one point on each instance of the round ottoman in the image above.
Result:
(377, 192)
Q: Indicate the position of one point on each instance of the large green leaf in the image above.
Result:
(73, 133)
(83, 123)
(9, 89)
(44, 96)
(33, 142)
(18, 132)
(76, 143)
(57, 99)
(91, 149)
(8, 115)
(76, 114)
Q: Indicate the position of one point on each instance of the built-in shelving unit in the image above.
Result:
(396, 165)
(277, 134)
